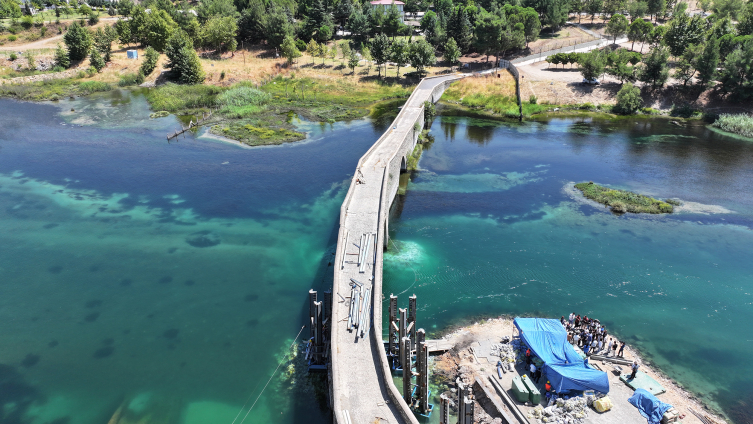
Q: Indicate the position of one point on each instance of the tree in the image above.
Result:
(707, 61)
(656, 7)
(592, 65)
(628, 99)
(654, 70)
(682, 31)
(277, 26)
(123, 29)
(343, 11)
(103, 41)
(685, 69)
(728, 8)
(459, 28)
(451, 52)
(392, 21)
(96, 61)
(366, 53)
(358, 25)
(399, 54)
(637, 9)
(345, 49)
(617, 26)
(555, 12)
(313, 48)
(124, 7)
(737, 73)
(593, 7)
(289, 50)
(251, 22)
(159, 27)
(353, 61)
(511, 37)
(151, 57)
(10, 9)
(182, 58)
(61, 57)
(78, 41)
(209, 8)
(639, 31)
(380, 50)
(220, 31)
(617, 64)
(745, 25)
(421, 55)
(489, 28)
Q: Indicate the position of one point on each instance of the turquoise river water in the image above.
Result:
(164, 282)
(487, 227)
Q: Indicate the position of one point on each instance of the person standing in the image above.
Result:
(585, 348)
(576, 338)
(533, 370)
(537, 375)
(528, 356)
(572, 317)
(614, 348)
(621, 353)
(635, 370)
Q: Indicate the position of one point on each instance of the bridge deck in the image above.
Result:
(358, 379)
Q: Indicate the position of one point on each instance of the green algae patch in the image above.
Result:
(256, 135)
(621, 201)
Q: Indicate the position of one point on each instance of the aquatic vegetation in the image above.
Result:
(203, 239)
(159, 114)
(183, 98)
(89, 87)
(621, 201)
(738, 124)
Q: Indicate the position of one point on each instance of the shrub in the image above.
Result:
(151, 57)
(31, 60)
(533, 100)
(57, 68)
(93, 19)
(628, 99)
(300, 45)
(88, 87)
(42, 31)
(222, 75)
(61, 58)
(738, 124)
(12, 57)
(12, 38)
(96, 60)
(135, 78)
(27, 22)
(683, 111)
(174, 97)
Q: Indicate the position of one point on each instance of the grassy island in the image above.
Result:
(621, 201)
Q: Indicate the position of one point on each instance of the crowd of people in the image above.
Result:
(592, 337)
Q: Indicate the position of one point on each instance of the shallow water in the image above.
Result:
(169, 278)
(486, 228)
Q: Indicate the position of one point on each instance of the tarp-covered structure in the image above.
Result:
(649, 406)
(564, 368)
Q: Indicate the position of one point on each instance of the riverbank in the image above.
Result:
(467, 363)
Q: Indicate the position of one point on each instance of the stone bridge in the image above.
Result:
(362, 387)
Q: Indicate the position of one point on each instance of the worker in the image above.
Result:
(528, 356)
(635, 369)
(533, 370)
(548, 387)
(537, 375)
(585, 349)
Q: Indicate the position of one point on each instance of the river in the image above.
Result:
(166, 277)
(488, 227)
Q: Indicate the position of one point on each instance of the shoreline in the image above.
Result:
(496, 327)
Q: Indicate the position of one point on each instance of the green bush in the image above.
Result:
(738, 124)
(42, 31)
(300, 45)
(621, 201)
(58, 68)
(27, 22)
(135, 78)
(628, 99)
(12, 57)
(533, 100)
(151, 57)
(96, 60)
(88, 87)
(12, 38)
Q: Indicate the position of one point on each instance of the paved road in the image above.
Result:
(580, 48)
(359, 385)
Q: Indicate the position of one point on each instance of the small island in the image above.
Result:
(622, 201)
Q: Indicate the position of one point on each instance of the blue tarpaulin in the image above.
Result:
(564, 368)
(649, 406)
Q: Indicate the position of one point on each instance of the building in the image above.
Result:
(386, 4)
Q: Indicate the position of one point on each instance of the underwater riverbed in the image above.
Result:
(160, 282)
(488, 227)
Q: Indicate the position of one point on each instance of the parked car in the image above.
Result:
(592, 81)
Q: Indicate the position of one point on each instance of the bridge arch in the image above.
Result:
(404, 164)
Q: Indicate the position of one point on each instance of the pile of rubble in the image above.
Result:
(561, 411)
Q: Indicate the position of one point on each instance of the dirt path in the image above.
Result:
(50, 43)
